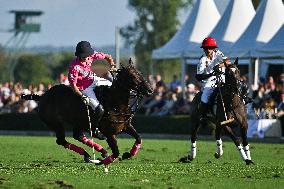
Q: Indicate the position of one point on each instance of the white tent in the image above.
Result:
(271, 53)
(234, 21)
(274, 48)
(200, 22)
(267, 21)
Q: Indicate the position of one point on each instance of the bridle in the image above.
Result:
(135, 96)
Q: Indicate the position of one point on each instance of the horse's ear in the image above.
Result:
(236, 61)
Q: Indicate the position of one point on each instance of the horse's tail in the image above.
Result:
(30, 97)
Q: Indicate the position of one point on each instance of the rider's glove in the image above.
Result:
(216, 70)
(86, 99)
(113, 68)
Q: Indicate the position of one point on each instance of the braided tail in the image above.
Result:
(34, 97)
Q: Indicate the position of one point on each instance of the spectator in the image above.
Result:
(174, 83)
(63, 79)
(159, 81)
(166, 109)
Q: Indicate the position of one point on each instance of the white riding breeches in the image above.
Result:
(89, 91)
(209, 87)
(206, 93)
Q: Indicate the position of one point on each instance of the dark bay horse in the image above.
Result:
(228, 113)
(61, 106)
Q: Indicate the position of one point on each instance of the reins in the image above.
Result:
(134, 95)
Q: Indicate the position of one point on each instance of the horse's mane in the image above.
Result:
(125, 79)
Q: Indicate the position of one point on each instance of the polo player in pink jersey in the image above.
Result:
(83, 80)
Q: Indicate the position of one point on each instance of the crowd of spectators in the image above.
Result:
(168, 99)
(268, 97)
(10, 95)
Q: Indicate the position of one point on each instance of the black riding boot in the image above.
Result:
(247, 99)
(245, 92)
(99, 112)
(203, 112)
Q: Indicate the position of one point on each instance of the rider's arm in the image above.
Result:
(75, 88)
(109, 59)
(72, 78)
(203, 70)
(203, 76)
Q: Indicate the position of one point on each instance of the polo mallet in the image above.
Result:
(91, 133)
(223, 104)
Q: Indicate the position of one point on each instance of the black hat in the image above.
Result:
(84, 49)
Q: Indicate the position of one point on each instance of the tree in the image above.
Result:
(4, 74)
(59, 62)
(155, 24)
(31, 69)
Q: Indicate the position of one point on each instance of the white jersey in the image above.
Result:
(206, 66)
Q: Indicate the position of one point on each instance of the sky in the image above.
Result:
(66, 22)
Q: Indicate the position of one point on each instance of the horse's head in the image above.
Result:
(232, 75)
(132, 79)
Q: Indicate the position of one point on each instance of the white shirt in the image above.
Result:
(206, 65)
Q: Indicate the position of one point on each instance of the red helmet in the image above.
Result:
(209, 42)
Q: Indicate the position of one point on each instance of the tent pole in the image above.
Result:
(256, 67)
(183, 62)
(250, 76)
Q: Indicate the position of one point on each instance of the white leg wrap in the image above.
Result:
(193, 150)
(219, 150)
(247, 151)
(242, 152)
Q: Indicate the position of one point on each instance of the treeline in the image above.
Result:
(34, 68)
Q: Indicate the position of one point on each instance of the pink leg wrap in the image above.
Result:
(135, 148)
(91, 144)
(108, 160)
(75, 148)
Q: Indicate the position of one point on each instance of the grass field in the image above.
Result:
(37, 162)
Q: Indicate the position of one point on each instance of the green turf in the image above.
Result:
(37, 162)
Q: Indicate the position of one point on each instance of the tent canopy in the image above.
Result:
(274, 48)
(267, 21)
(233, 23)
(200, 22)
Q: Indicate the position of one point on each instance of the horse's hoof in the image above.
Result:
(216, 155)
(126, 155)
(87, 159)
(184, 160)
(104, 155)
(249, 162)
(190, 157)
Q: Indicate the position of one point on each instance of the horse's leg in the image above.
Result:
(219, 150)
(193, 138)
(237, 143)
(112, 142)
(60, 140)
(245, 143)
(137, 145)
(78, 135)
